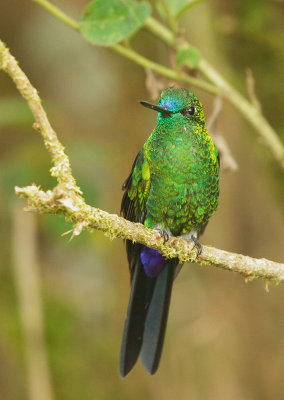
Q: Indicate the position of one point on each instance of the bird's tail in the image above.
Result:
(147, 314)
(157, 316)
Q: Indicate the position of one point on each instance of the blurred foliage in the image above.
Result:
(189, 57)
(224, 338)
(175, 8)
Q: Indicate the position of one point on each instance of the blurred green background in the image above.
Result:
(225, 337)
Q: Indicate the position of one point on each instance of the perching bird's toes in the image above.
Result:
(163, 233)
(196, 244)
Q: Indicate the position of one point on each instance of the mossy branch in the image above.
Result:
(73, 207)
(66, 199)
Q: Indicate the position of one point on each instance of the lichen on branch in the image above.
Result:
(73, 207)
(66, 198)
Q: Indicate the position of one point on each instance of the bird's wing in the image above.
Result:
(136, 188)
(133, 206)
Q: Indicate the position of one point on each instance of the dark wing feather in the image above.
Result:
(132, 208)
(131, 205)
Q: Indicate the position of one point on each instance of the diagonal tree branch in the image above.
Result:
(66, 199)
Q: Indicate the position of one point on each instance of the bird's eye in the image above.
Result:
(189, 112)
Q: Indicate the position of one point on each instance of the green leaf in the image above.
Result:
(189, 57)
(106, 22)
(177, 7)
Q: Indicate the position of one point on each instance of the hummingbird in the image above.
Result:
(173, 187)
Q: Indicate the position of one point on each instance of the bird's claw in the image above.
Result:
(164, 234)
(196, 244)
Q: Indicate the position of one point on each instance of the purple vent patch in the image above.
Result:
(153, 262)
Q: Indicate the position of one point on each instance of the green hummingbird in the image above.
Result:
(173, 187)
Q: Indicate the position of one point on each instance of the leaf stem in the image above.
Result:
(134, 56)
(171, 19)
(58, 13)
(167, 72)
(160, 31)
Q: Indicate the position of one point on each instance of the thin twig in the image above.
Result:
(251, 89)
(171, 19)
(228, 163)
(217, 108)
(65, 199)
(165, 71)
(155, 84)
(58, 13)
(133, 55)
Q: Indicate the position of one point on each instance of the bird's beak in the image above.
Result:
(163, 110)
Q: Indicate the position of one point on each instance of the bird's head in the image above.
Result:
(177, 105)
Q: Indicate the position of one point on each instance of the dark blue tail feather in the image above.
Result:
(147, 313)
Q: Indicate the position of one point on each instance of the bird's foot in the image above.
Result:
(196, 244)
(163, 233)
